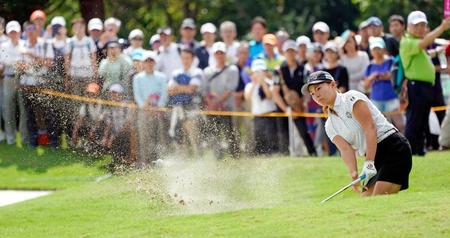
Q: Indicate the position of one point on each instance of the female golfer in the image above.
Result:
(355, 124)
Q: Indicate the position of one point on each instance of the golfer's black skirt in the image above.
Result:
(393, 161)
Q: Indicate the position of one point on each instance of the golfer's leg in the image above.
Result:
(368, 192)
(382, 187)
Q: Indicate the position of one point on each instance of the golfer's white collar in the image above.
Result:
(338, 100)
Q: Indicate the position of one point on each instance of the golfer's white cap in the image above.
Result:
(13, 26)
(208, 27)
(289, 44)
(219, 46)
(148, 54)
(95, 24)
(113, 21)
(416, 17)
(320, 26)
(303, 40)
(116, 88)
(258, 65)
(58, 20)
(376, 42)
(135, 33)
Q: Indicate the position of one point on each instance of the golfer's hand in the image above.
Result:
(446, 24)
(357, 187)
(368, 171)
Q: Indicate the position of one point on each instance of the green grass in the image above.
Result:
(276, 197)
(26, 168)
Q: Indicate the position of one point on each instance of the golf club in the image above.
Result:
(361, 178)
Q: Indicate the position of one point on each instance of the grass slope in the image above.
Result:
(246, 198)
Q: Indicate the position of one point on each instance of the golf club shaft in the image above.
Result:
(344, 188)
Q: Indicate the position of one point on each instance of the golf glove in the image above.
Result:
(368, 171)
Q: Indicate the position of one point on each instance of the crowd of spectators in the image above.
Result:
(220, 73)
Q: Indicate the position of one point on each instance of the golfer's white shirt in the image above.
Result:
(344, 124)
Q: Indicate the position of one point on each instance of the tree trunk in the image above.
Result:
(92, 8)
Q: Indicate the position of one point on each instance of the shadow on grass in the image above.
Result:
(41, 159)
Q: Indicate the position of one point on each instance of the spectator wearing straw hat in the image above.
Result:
(10, 58)
(136, 38)
(420, 73)
(203, 52)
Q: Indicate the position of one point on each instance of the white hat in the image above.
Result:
(376, 42)
(13, 26)
(150, 55)
(289, 44)
(58, 20)
(416, 17)
(258, 65)
(303, 40)
(95, 24)
(208, 27)
(154, 39)
(320, 26)
(219, 46)
(114, 21)
(135, 33)
(330, 46)
(116, 88)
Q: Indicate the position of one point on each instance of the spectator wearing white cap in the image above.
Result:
(259, 93)
(221, 81)
(81, 61)
(188, 31)
(136, 38)
(339, 72)
(286, 93)
(10, 58)
(112, 27)
(150, 91)
(203, 52)
(155, 42)
(282, 36)
(169, 55)
(115, 68)
(420, 73)
(303, 42)
(321, 32)
(228, 33)
(95, 30)
(355, 60)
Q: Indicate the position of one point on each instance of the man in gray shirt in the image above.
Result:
(221, 81)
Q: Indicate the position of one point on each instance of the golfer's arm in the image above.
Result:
(347, 154)
(362, 114)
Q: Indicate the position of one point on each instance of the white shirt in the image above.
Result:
(128, 51)
(10, 54)
(356, 67)
(345, 124)
(232, 52)
(34, 72)
(169, 60)
(195, 73)
(80, 56)
(259, 105)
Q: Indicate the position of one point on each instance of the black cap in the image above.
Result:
(316, 78)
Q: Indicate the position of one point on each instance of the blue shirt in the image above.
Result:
(150, 85)
(255, 49)
(382, 90)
